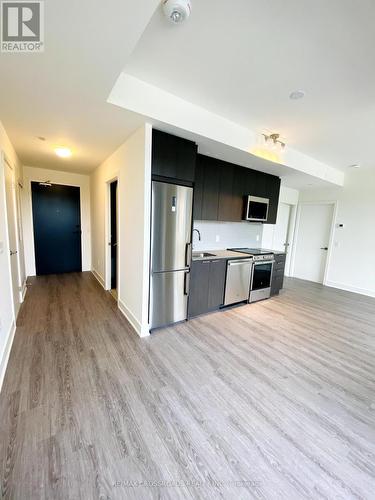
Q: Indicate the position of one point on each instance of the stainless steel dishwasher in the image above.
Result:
(238, 281)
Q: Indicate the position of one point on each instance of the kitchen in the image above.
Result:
(187, 189)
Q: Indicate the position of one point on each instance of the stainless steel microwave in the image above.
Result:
(257, 209)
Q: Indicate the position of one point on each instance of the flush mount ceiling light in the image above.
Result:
(177, 11)
(356, 165)
(63, 152)
(297, 94)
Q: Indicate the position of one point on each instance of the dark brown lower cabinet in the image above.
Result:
(278, 274)
(207, 284)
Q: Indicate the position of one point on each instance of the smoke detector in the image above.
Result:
(177, 11)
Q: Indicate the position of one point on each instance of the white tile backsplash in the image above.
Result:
(222, 235)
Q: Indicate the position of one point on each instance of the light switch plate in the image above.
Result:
(217, 239)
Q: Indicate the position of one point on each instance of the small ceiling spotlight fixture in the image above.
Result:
(356, 165)
(177, 11)
(269, 147)
(297, 94)
(63, 152)
(41, 138)
(272, 141)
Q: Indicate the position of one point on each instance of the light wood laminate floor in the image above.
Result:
(274, 400)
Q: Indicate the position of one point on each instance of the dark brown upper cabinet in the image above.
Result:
(173, 158)
(211, 186)
(221, 189)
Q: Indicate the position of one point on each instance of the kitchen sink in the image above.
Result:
(200, 255)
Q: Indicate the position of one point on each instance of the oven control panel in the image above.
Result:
(263, 257)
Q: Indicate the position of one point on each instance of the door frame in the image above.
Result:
(31, 219)
(290, 234)
(334, 203)
(107, 235)
(6, 163)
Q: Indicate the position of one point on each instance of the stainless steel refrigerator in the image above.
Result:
(171, 213)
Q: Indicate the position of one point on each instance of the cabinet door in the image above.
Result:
(199, 282)
(173, 157)
(210, 199)
(239, 192)
(273, 195)
(186, 159)
(216, 283)
(251, 182)
(198, 190)
(278, 274)
(164, 158)
(225, 204)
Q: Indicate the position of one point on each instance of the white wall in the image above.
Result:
(131, 163)
(57, 177)
(352, 263)
(289, 196)
(7, 323)
(228, 234)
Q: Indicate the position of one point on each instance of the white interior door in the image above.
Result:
(281, 234)
(313, 237)
(12, 234)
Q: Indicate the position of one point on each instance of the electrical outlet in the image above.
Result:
(217, 238)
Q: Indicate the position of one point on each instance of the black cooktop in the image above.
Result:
(251, 251)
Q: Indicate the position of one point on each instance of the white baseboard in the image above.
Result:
(349, 288)
(5, 357)
(98, 277)
(23, 291)
(142, 332)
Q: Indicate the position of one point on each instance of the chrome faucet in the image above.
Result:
(199, 234)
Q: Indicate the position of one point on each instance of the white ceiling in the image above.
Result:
(242, 59)
(62, 93)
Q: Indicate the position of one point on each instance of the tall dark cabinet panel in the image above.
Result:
(211, 185)
(198, 295)
(173, 157)
(216, 284)
(238, 192)
(225, 206)
(198, 189)
(273, 195)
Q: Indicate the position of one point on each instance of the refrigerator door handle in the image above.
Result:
(186, 283)
(188, 254)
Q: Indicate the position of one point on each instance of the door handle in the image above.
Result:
(187, 254)
(186, 283)
(323, 248)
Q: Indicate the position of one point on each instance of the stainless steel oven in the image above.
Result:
(261, 277)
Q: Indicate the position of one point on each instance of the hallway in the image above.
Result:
(287, 411)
